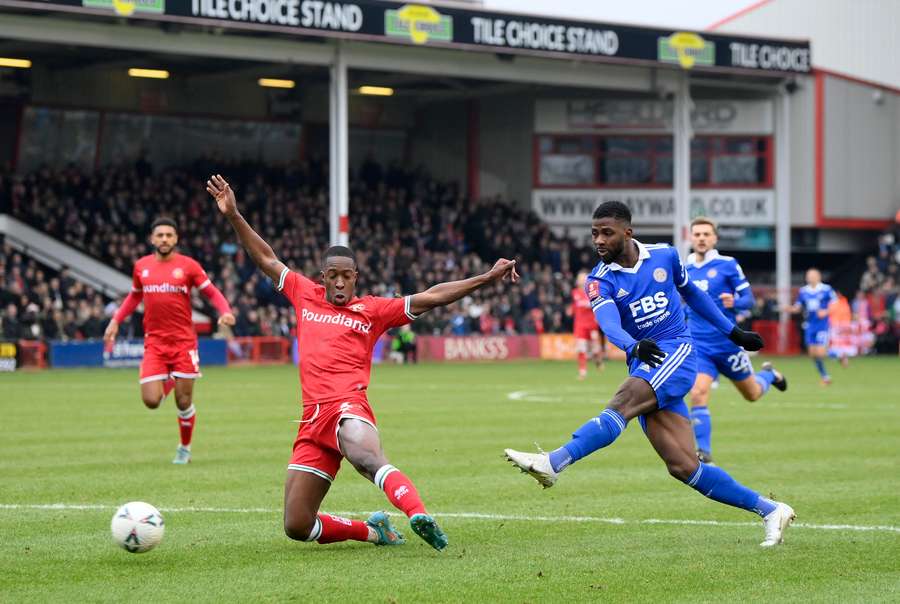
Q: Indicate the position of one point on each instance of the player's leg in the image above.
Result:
(670, 434)
(634, 397)
(185, 367)
(598, 348)
(818, 354)
(700, 417)
(152, 392)
(187, 418)
(361, 446)
(754, 386)
(156, 383)
(303, 494)
(581, 349)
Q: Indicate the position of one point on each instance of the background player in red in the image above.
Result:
(337, 332)
(163, 281)
(588, 337)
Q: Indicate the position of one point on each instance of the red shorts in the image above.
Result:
(316, 449)
(162, 361)
(584, 332)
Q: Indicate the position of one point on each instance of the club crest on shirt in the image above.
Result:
(712, 273)
(660, 275)
(177, 273)
(593, 289)
(145, 272)
(358, 307)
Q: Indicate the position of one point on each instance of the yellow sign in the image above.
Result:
(418, 23)
(687, 49)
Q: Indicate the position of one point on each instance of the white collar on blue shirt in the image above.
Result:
(821, 285)
(709, 257)
(643, 254)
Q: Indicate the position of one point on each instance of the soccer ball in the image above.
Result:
(137, 527)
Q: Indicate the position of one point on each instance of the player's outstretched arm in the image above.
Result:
(259, 250)
(446, 293)
(703, 305)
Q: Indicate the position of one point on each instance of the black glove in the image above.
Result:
(649, 352)
(748, 340)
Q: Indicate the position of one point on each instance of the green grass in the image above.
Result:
(82, 437)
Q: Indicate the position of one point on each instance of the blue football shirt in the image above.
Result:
(716, 275)
(646, 295)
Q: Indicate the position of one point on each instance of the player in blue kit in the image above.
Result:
(636, 293)
(723, 280)
(815, 300)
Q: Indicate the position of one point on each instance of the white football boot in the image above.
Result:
(776, 522)
(536, 464)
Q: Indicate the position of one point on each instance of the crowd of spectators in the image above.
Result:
(877, 301)
(408, 231)
(39, 304)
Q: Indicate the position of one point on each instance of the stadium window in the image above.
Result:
(642, 161)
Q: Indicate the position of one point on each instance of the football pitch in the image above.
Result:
(616, 528)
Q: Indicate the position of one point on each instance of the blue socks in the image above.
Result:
(765, 378)
(820, 365)
(702, 423)
(715, 483)
(597, 433)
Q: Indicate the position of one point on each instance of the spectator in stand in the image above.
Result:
(873, 276)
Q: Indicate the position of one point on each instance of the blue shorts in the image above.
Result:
(722, 356)
(815, 335)
(673, 379)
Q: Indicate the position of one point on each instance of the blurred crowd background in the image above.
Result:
(409, 231)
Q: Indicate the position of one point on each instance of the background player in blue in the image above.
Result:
(636, 295)
(814, 300)
(723, 280)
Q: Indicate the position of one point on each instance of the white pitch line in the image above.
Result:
(469, 516)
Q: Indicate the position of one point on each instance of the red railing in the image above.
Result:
(32, 354)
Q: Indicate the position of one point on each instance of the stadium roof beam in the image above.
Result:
(359, 55)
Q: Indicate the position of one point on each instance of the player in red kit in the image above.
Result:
(588, 337)
(337, 332)
(163, 281)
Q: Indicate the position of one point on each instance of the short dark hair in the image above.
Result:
(163, 221)
(340, 251)
(613, 209)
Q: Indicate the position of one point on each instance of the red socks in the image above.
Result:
(399, 490)
(186, 420)
(582, 362)
(331, 529)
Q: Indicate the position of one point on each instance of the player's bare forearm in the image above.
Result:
(443, 294)
(260, 251)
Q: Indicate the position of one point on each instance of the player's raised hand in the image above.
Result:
(227, 319)
(504, 269)
(219, 188)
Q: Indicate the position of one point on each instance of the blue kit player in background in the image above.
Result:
(636, 293)
(723, 280)
(814, 301)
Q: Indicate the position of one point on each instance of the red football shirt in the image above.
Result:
(582, 315)
(336, 342)
(166, 288)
